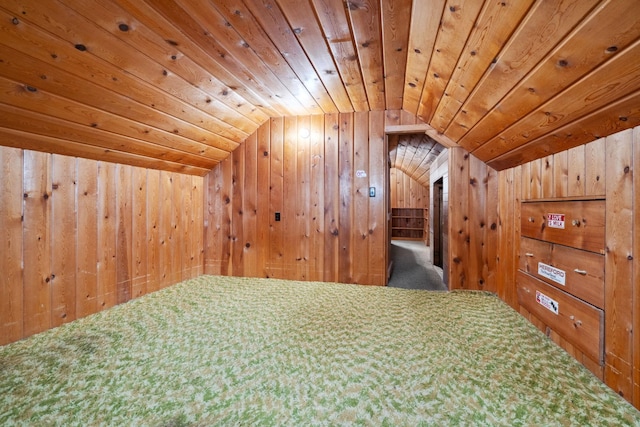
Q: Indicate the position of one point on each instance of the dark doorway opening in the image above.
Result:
(438, 223)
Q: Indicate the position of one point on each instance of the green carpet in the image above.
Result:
(229, 351)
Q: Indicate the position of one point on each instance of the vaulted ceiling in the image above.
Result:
(179, 84)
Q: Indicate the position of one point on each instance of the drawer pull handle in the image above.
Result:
(529, 254)
(576, 323)
(575, 223)
(583, 272)
(531, 219)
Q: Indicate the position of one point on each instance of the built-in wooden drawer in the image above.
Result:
(578, 322)
(578, 272)
(579, 224)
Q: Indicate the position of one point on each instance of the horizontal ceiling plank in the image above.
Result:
(84, 63)
(302, 23)
(615, 23)
(367, 35)
(149, 46)
(258, 75)
(28, 141)
(621, 115)
(12, 117)
(457, 22)
(395, 37)
(335, 25)
(494, 27)
(40, 101)
(425, 21)
(266, 30)
(35, 75)
(198, 49)
(254, 51)
(273, 22)
(543, 28)
(608, 83)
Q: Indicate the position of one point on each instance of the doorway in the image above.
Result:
(438, 222)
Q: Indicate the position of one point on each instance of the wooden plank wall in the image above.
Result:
(602, 168)
(79, 236)
(330, 228)
(406, 192)
(473, 223)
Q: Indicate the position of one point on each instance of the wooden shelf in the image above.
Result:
(408, 223)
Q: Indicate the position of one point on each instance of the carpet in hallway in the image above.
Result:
(412, 267)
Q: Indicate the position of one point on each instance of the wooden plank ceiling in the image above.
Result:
(179, 84)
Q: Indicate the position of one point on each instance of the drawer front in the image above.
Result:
(584, 273)
(579, 224)
(577, 272)
(579, 323)
(533, 252)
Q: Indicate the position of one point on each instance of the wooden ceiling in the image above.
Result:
(179, 84)
(413, 155)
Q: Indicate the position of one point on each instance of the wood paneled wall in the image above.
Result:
(79, 236)
(605, 167)
(330, 228)
(406, 192)
(473, 223)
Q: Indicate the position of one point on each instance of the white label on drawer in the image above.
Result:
(552, 273)
(546, 302)
(555, 220)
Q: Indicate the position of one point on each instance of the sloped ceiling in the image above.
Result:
(179, 84)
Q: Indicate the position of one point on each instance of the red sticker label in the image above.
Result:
(555, 220)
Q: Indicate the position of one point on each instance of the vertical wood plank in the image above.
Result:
(378, 174)
(548, 185)
(317, 228)
(106, 235)
(166, 194)
(595, 172)
(176, 234)
(139, 246)
(360, 198)
(37, 249)
(87, 255)
(249, 208)
(345, 167)
(276, 202)
(123, 233)
(303, 199)
(11, 245)
(526, 181)
(477, 222)
(619, 263)
(490, 247)
(197, 268)
(290, 194)
(561, 174)
(263, 213)
(506, 256)
(63, 240)
(154, 269)
(636, 269)
(186, 233)
(332, 197)
(576, 161)
(535, 172)
(458, 211)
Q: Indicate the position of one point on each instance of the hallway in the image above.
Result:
(412, 267)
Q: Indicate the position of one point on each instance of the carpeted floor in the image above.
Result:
(412, 267)
(232, 351)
